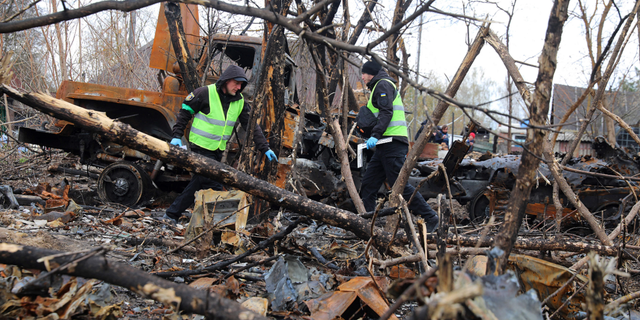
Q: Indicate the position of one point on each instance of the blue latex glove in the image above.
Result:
(371, 142)
(176, 142)
(271, 155)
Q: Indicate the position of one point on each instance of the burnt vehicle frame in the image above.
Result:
(484, 186)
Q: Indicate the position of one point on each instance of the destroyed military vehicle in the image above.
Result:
(484, 185)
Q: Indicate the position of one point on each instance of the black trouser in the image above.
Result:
(385, 164)
(198, 182)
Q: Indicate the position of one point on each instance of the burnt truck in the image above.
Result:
(484, 184)
(129, 176)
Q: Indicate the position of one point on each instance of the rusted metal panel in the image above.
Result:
(283, 171)
(331, 307)
(548, 211)
(166, 104)
(290, 129)
(430, 151)
(335, 305)
(162, 54)
(584, 149)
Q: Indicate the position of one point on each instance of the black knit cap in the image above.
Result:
(371, 67)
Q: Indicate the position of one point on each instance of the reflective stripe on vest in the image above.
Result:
(212, 131)
(398, 124)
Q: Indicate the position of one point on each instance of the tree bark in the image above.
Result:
(441, 108)
(334, 129)
(124, 134)
(532, 244)
(270, 108)
(124, 6)
(535, 137)
(509, 63)
(609, 122)
(341, 149)
(594, 297)
(362, 22)
(179, 43)
(392, 40)
(622, 124)
(493, 40)
(98, 267)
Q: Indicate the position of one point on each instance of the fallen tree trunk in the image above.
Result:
(124, 134)
(534, 244)
(468, 245)
(180, 296)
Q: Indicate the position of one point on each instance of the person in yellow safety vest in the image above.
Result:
(216, 109)
(388, 158)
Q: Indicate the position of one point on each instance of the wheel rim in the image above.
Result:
(480, 209)
(122, 183)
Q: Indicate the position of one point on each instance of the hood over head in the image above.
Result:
(233, 72)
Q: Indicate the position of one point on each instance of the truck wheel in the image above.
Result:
(125, 183)
(479, 208)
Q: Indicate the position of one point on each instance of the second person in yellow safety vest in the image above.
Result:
(388, 158)
(216, 110)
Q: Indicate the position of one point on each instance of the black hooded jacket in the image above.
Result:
(382, 98)
(198, 101)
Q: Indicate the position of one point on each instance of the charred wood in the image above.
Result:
(314, 251)
(98, 267)
(179, 42)
(595, 289)
(533, 244)
(408, 294)
(538, 110)
(159, 242)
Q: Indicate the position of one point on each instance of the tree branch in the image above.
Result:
(535, 138)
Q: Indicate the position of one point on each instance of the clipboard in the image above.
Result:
(363, 146)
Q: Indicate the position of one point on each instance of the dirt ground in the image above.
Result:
(137, 238)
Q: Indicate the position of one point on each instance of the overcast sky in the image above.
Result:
(443, 42)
